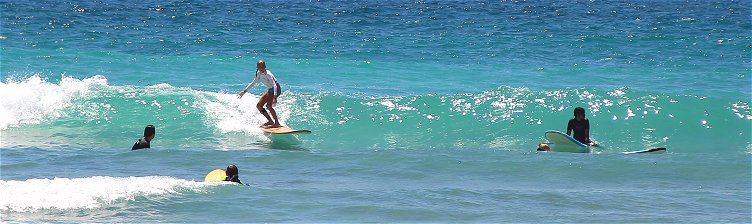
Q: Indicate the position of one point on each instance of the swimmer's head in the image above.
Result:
(150, 131)
(543, 147)
(232, 170)
(579, 111)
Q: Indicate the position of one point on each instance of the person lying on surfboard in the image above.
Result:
(581, 127)
(232, 174)
(270, 95)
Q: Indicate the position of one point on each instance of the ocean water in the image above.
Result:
(421, 111)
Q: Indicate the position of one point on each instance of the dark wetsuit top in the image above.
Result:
(141, 144)
(233, 178)
(579, 129)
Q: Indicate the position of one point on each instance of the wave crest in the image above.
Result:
(34, 99)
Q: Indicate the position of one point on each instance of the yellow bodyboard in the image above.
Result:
(215, 175)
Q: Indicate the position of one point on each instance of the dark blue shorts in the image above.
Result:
(271, 91)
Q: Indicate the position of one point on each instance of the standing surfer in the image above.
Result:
(270, 95)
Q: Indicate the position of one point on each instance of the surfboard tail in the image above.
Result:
(648, 151)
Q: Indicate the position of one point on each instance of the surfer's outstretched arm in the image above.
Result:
(250, 85)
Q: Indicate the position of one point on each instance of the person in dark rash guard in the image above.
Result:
(144, 142)
(232, 174)
(581, 127)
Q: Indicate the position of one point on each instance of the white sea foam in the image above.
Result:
(34, 99)
(230, 114)
(85, 193)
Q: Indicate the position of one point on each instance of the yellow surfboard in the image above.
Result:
(215, 175)
(284, 130)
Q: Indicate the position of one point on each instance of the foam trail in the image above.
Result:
(229, 114)
(85, 193)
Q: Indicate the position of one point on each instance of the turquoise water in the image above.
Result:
(420, 111)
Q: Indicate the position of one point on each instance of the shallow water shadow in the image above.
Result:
(285, 142)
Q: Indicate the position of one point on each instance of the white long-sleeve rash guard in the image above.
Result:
(267, 78)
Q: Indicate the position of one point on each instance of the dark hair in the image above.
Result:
(231, 170)
(149, 130)
(579, 111)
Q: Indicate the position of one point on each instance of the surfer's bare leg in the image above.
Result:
(269, 104)
(260, 106)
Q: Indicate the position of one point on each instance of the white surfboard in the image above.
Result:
(561, 142)
(648, 151)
